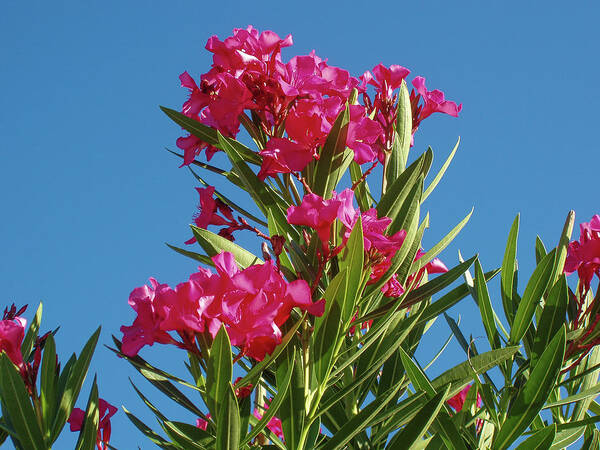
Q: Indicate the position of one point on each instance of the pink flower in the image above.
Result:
(12, 332)
(201, 423)
(208, 210)
(274, 424)
(105, 411)
(146, 328)
(458, 401)
(363, 134)
(381, 248)
(434, 101)
(310, 121)
(283, 156)
(583, 256)
(386, 79)
(314, 212)
(255, 302)
(247, 47)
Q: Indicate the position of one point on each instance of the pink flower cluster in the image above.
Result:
(252, 304)
(583, 257)
(106, 411)
(319, 214)
(295, 104)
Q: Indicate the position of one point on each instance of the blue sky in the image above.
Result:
(90, 195)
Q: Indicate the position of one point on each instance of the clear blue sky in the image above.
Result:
(90, 195)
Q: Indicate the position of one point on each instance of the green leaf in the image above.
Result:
(195, 256)
(360, 421)
(437, 248)
(592, 392)
(48, 384)
(397, 415)
(563, 245)
(421, 382)
(451, 298)
(333, 159)
(402, 137)
(441, 173)
(533, 293)
(89, 430)
(273, 406)
(327, 327)
(76, 377)
(210, 135)
(531, 397)
(463, 373)
(351, 262)
(149, 433)
(17, 407)
(32, 333)
(219, 369)
(188, 436)
(541, 440)
(437, 284)
(213, 244)
(552, 318)
(485, 307)
(228, 422)
(404, 217)
(292, 409)
(509, 268)
(391, 202)
(261, 193)
(540, 250)
(419, 424)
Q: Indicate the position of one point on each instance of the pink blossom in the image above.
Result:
(283, 156)
(385, 79)
(145, 329)
(245, 48)
(316, 213)
(208, 210)
(434, 101)
(363, 134)
(255, 302)
(458, 401)
(583, 256)
(310, 121)
(12, 332)
(201, 423)
(274, 424)
(105, 411)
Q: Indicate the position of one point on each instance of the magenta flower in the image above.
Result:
(274, 425)
(458, 401)
(385, 79)
(283, 156)
(255, 302)
(105, 411)
(310, 121)
(12, 332)
(247, 47)
(208, 210)
(316, 213)
(201, 423)
(583, 256)
(434, 101)
(146, 328)
(363, 134)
